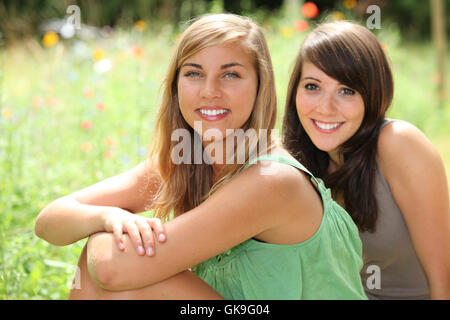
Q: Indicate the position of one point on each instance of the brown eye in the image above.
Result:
(348, 92)
(311, 87)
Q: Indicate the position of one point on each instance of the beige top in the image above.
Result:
(391, 267)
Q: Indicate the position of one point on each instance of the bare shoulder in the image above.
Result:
(405, 153)
(401, 142)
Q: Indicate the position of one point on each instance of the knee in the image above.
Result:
(99, 254)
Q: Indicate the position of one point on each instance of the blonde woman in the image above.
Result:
(243, 226)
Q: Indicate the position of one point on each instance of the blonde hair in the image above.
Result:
(184, 186)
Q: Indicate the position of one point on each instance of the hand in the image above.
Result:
(140, 229)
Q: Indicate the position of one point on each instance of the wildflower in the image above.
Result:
(86, 125)
(6, 113)
(349, 4)
(50, 39)
(102, 66)
(142, 151)
(100, 106)
(88, 93)
(286, 32)
(98, 55)
(109, 154)
(98, 174)
(125, 159)
(37, 101)
(337, 15)
(301, 25)
(140, 26)
(310, 10)
(86, 147)
(110, 142)
(137, 52)
(50, 100)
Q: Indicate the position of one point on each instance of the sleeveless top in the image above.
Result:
(391, 267)
(325, 266)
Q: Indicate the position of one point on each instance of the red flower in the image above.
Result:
(100, 106)
(86, 125)
(301, 25)
(310, 10)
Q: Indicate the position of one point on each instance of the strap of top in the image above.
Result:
(283, 159)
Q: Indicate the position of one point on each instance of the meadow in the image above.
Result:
(76, 112)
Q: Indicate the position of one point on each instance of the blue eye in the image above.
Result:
(192, 74)
(231, 75)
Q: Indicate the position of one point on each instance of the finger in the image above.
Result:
(147, 236)
(135, 236)
(118, 234)
(158, 227)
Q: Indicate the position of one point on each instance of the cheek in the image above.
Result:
(303, 105)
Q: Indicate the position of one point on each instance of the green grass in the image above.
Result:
(45, 97)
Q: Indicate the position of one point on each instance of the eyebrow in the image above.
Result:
(224, 66)
(310, 78)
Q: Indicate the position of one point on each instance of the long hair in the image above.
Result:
(184, 186)
(352, 55)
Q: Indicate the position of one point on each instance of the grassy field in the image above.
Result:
(68, 120)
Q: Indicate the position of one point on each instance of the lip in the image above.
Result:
(328, 131)
(212, 117)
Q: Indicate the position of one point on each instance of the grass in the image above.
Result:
(47, 94)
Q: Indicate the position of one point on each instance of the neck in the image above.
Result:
(336, 160)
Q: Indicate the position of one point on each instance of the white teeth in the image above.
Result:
(327, 126)
(213, 112)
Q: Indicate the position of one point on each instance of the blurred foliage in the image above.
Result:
(20, 18)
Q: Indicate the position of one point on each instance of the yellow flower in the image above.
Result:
(6, 113)
(50, 39)
(349, 4)
(286, 32)
(337, 15)
(98, 54)
(86, 147)
(140, 26)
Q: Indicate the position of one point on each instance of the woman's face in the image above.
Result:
(217, 86)
(329, 111)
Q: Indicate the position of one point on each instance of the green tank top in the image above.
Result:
(325, 266)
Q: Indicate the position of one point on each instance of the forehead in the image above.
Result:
(220, 54)
(310, 70)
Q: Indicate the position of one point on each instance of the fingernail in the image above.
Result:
(140, 250)
(162, 237)
(150, 251)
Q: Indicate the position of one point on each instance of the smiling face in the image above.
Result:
(329, 111)
(218, 87)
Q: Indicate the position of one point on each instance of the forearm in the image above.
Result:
(65, 221)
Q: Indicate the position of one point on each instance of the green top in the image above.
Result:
(325, 266)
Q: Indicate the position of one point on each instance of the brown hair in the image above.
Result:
(185, 186)
(352, 55)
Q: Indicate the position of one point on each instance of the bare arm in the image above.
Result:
(85, 212)
(255, 204)
(417, 178)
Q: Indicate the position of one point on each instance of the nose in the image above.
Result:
(211, 88)
(326, 104)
